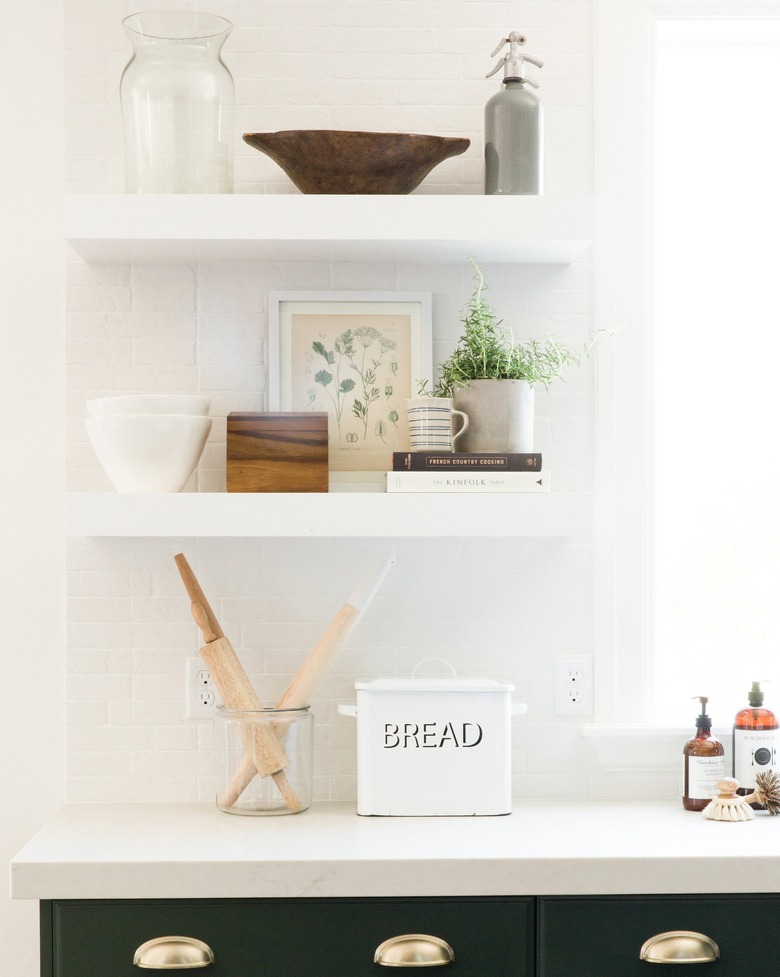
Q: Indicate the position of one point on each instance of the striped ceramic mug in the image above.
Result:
(431, 422)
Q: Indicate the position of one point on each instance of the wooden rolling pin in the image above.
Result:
(299, 691)
(264, 751)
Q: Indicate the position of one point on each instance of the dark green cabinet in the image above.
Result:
(287, 937)
(521, 936)
(603, 936)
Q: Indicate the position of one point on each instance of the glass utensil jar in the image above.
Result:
(177, 100)
(244, 738)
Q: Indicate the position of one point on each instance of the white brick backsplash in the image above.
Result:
(98, 352)
(374, 277)
(407, 40)
(565, 92)
(230, 300)
(89, 141)
(162, 352)
(162, 327)
(91, 13)
(91, 555)
(95, 299)
(175, 764)
(157, 609)
(99, 686)
(228, 276)
(98, 609)
(94, 584)
(79, 273)
(84, 174)
(92, 101)
(80, 713)
(100, 765)
(163, 298)
(303, 275)
(93, 634)
(574, 431)
(242, 379)
(552, 785)
(164, 276)
(284, 92)
(648, 786)
(100, 662)
(160, 712)
(503, 608)
(158, 687)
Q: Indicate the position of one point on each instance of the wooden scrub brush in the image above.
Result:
(730, 806)
(767, 792)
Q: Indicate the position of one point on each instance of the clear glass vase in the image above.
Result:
(177, 100)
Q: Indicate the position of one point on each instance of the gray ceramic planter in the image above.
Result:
(501, 415)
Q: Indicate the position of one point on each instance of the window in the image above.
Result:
(715, 466)
(689, 416)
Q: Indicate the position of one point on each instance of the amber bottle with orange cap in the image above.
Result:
(756, 741)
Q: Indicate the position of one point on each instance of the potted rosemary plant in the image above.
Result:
(491, 378)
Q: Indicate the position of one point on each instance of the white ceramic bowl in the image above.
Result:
(149, 404)
(148, 452)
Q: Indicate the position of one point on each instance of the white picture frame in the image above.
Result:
(358, 356)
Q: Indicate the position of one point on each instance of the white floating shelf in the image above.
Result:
(358, 514)
(296, 227)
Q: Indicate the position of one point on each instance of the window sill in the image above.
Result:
(643, 745)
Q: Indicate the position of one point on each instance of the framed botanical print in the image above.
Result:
(357, 356)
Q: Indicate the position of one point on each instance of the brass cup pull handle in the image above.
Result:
(679, 946)
(173, 953)
(414, 950)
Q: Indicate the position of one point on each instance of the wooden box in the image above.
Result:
(270, 452)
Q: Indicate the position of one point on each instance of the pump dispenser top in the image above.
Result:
(514, 125)
(703, 721)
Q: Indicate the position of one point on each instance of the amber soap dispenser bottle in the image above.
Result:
(704, 763)
(756, 741)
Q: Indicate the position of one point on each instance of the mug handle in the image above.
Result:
(464, 427)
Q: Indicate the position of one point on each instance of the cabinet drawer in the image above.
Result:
(602, 937)
(287, 937)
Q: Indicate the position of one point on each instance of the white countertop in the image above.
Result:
(544, 848)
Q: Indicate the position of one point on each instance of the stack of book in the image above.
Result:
(432, 471)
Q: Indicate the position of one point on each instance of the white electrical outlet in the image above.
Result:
(201, 698)
(573, 685)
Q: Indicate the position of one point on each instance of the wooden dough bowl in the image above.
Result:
(340, 161)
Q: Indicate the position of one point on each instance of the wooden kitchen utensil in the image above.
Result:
(767, 792)
(731, 806)
(265, 753)
(311, 671)
(299, 691)
(728, 805)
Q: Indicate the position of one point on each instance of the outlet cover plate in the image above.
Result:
(201, 698)
(573, 685)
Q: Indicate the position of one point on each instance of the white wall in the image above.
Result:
(502, 608)
(32, 762)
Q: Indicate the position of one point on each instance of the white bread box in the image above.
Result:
(433, 746)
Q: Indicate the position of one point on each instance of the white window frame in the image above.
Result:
(624, 58)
